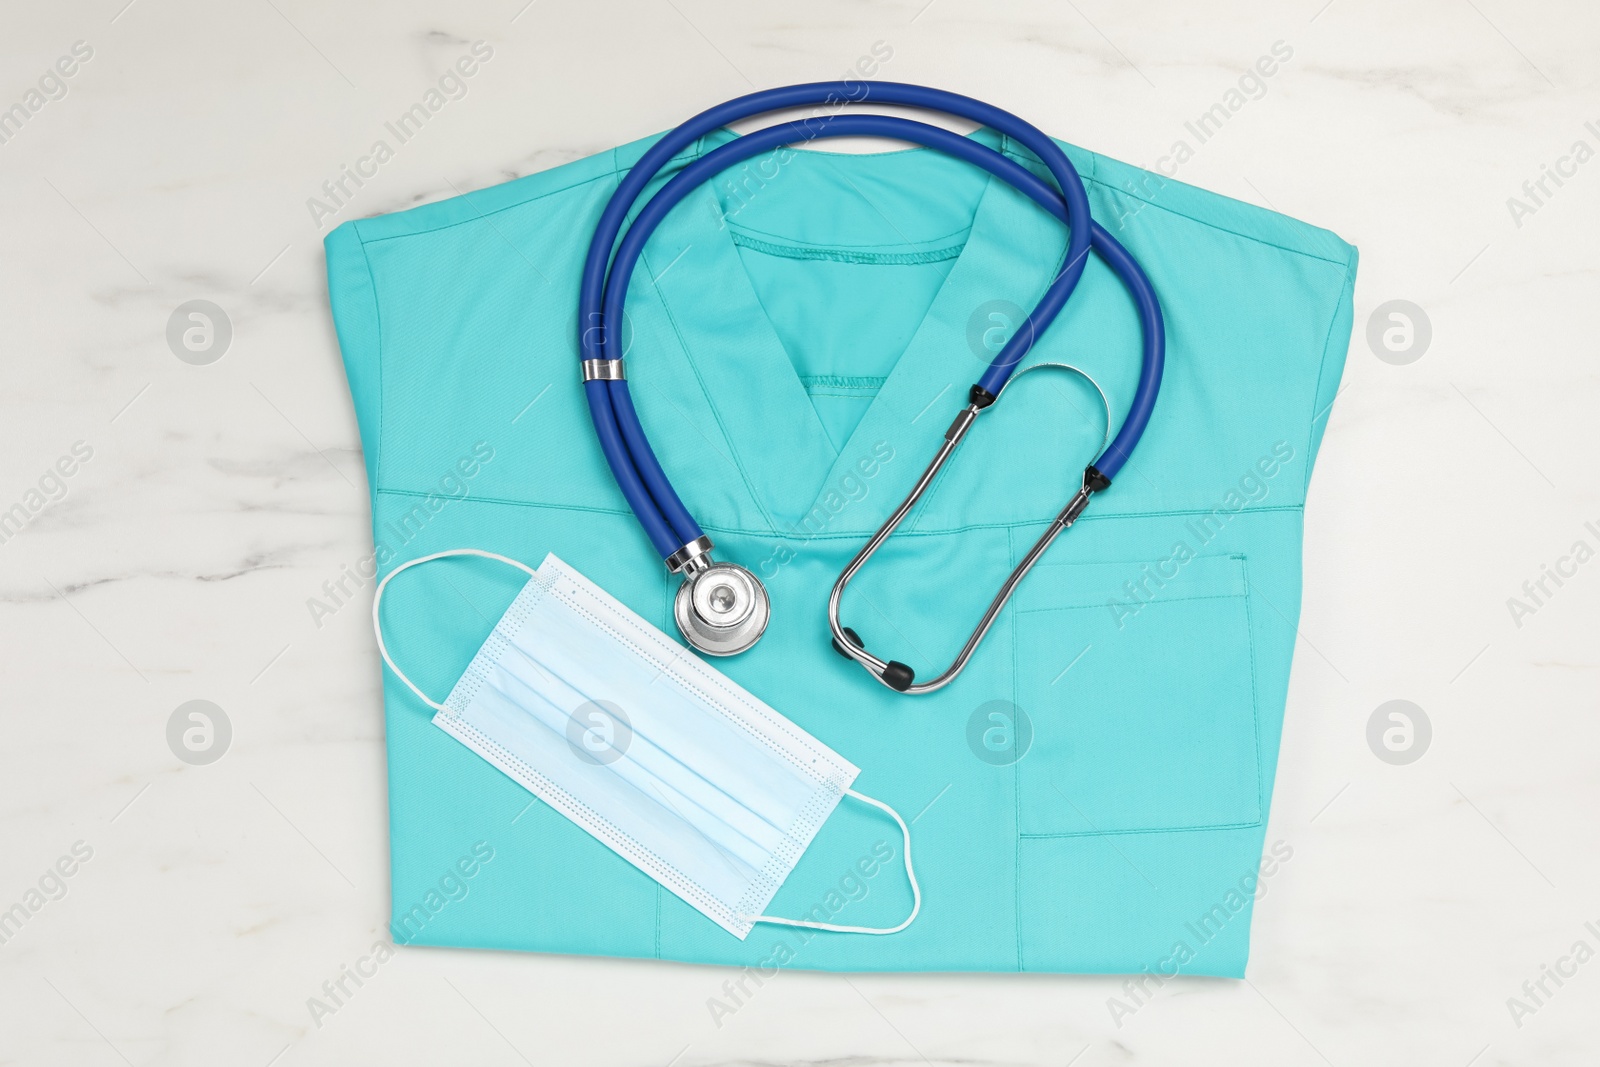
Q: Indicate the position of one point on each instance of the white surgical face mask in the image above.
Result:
(656, 754)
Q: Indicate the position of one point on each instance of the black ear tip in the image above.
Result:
(898, 676)
(855, 639)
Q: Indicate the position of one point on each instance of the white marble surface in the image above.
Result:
(178, 559)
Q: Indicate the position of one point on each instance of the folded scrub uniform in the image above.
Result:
(1085, 780)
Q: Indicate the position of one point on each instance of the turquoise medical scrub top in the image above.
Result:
(1091, 794)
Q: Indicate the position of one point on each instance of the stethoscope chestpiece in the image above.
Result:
(721, 608)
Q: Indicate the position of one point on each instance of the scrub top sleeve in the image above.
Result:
(1334, 351)
(353, 295)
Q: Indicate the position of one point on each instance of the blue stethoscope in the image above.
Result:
(722, 608)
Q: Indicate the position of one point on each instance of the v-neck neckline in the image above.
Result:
(779, 441)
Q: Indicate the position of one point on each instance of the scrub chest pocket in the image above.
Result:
(1122, 742)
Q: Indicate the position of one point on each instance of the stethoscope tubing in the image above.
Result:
(591, 340)
(662, 514)
(680, 526)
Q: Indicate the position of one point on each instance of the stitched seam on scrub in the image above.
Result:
(1255, 721)
(781, 239)
(1238, 587)
(1202, 222)
(1010, 146)
(707, 393)
(844, 381)
(377, 317)
(1202, 828)
(1322, 366)
(1255, 711)
(687, 154)
(507, 501)
(837, 535)
(614, 176)
(1157, 600)
(1016, 779)
(846, 255)
(840, 535)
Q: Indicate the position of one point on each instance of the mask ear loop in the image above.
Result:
(377, 599)
(911, 876)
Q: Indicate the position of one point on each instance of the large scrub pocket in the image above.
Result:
(1139, 684)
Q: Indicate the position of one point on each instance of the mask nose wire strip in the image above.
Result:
(911, 876)
(628, 252)
(377, 599)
